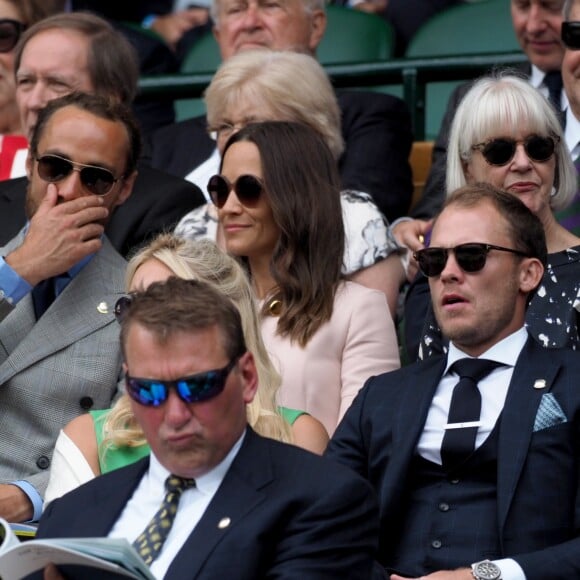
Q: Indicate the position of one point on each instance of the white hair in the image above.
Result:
(500, 105)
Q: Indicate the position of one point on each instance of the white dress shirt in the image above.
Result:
(493, 388)
(148, 497)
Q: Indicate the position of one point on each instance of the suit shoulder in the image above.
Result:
(307, 470)
(371, 101)
(176, 130)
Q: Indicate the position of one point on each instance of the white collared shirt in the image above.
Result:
(572, 134)
(148, 497)
(537, 81)
(493, 390)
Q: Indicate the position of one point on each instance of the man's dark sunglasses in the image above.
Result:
(501, 151)
(470, 257)
(571, 35)
(10, 31)
(96, 180)
(248, 189)
(193, 389)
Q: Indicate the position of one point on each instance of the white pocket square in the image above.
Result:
(549, 413)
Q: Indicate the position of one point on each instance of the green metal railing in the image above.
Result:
(413, 74)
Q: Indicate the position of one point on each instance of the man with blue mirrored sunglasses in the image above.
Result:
(251, 507)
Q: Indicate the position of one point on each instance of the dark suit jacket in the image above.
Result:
(538, 500)
(157, 203)
(293, 515)
(376, 129)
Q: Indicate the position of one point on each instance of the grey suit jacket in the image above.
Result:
(54, 369)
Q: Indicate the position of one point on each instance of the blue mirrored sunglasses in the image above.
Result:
(193, 389)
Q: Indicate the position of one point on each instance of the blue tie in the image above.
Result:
(45, 292)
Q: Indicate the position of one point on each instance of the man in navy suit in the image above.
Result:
(254, 508)
(376, 128)
(509, 506)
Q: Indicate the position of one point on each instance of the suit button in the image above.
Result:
(86, 403)
(444, 507)
(436, 544)
(43, 462)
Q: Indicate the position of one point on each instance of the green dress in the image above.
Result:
(117, 457)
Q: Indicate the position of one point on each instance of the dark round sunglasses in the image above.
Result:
(95, 179)
(501, 151)
(571, 35)
(193, 389)
(248, 189)
(10, 31)
(470, 257)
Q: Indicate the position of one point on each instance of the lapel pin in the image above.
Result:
(540, 384)
(103, 308)
(224, 523)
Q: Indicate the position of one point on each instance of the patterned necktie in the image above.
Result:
(459, 442)
(151, 540)
(553, 82)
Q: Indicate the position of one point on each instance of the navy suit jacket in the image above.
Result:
(538, 500)
(376, 129)
(157, 203)
(293, 515)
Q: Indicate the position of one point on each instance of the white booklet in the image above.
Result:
(78, 558)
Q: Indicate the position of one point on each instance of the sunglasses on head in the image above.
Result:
(10, 31)
(97, 180)
(570, 34)
(193, 389)
(501, 151)
(470, 257)
(248, 189)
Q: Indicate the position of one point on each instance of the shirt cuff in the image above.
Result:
(33, 496)
(13, 288)
(510, 569)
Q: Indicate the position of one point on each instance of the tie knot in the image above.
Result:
(177, 484)
(474, 368)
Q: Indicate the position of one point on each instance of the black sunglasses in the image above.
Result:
(248, 189)
(10, 31)
(193, 389)
(570, 33)
(97, 180)
(501, 151)
(470, 257)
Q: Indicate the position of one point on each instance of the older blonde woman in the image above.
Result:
(263, 85)
(104, 440)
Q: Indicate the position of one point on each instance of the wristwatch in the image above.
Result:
(486, 570)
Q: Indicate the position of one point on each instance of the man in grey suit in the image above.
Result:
(59, 348)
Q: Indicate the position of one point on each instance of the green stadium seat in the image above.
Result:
(351, 36)
(483, 27)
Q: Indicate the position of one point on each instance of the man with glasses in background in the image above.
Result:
(240, 506)
(82, 52)
(474, 454)
(60, 353)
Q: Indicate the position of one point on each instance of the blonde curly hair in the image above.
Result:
(203, 260)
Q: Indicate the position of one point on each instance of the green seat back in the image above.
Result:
(354, 36)
(482, 27)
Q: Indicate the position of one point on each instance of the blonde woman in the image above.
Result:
(105, 440)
